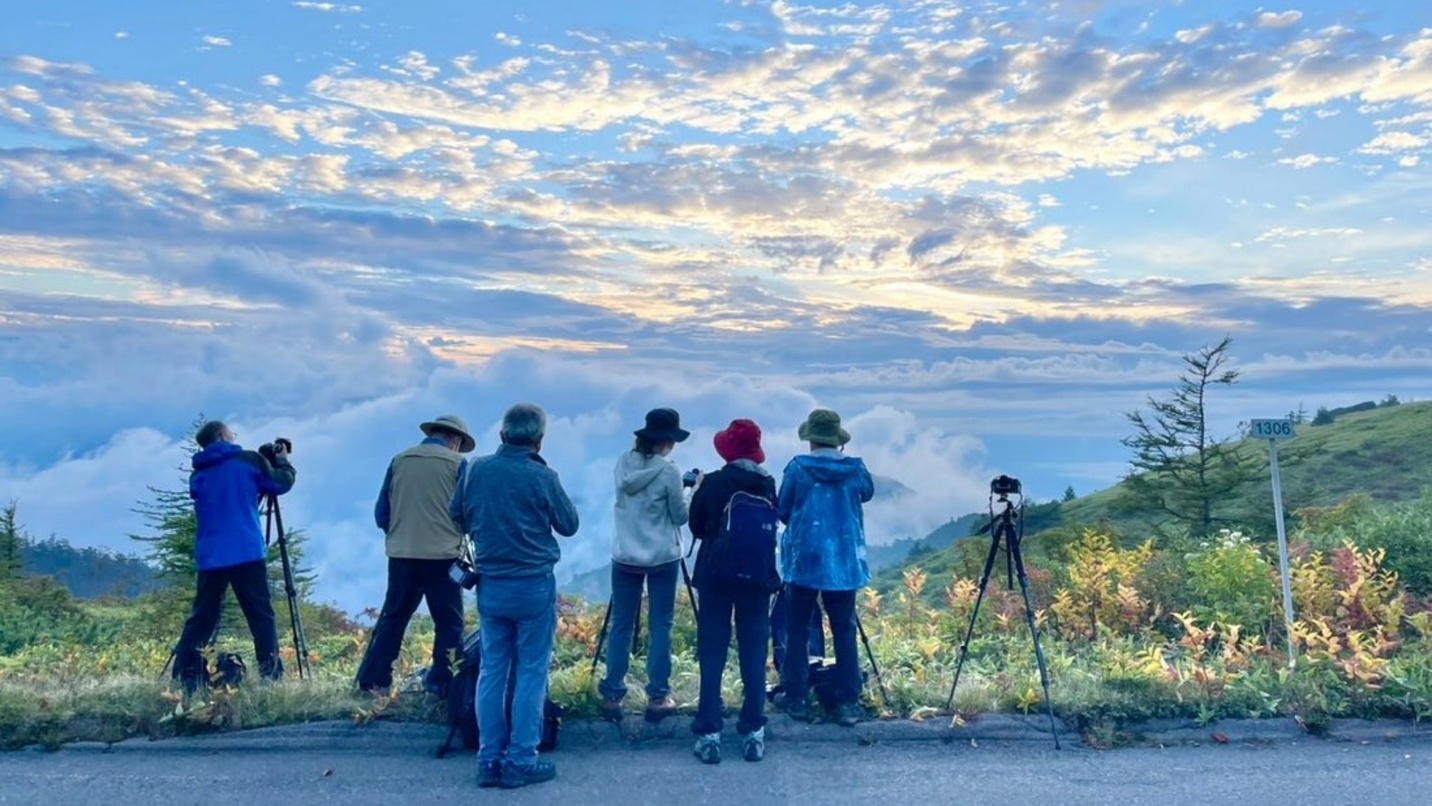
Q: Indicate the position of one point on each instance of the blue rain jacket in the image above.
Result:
(823, 545)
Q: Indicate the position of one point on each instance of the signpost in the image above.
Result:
(1274, 430)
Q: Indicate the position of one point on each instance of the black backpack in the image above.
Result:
(462, 703)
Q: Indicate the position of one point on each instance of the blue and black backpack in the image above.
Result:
(744, 553)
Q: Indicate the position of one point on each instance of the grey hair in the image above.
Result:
(524, 424)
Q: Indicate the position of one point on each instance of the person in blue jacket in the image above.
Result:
(227, 484)
(823, 556)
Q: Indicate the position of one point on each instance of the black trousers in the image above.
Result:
(251, 587)
(840, 607)
(409, 583)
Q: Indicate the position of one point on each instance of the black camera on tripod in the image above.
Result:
(1005, 485)
(269, 450)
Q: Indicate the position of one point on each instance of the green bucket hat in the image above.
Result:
(822, 427)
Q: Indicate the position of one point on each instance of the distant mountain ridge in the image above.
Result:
(88, 573)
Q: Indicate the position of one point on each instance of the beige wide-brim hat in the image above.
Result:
(455, 424)
(822, 427)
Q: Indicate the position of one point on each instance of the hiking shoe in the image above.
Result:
(611, 709)
(847, 714)
(514, 777)
(753, 745)
(660, 708)
(708, 748)
(489, 775)
(797, 708)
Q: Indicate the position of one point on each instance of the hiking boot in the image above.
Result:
(611, 709)
(660, 708)
(797, 708)
(514, 777)
(753, 745)
(489, 775)
(847, 714)
(708, 748)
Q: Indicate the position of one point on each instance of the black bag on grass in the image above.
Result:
(462, 703)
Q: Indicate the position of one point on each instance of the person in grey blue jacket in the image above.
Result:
(823, 556)
(511, 503)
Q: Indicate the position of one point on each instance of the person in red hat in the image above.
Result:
(712, 503)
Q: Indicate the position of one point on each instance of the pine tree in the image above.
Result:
(1178, 467)
(11, 539)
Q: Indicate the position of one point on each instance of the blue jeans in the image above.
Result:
(780, 611)
(626, 600)
(713, 640)
(518, 618)
(840, 607)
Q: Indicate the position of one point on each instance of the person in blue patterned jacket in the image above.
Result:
(823, 556)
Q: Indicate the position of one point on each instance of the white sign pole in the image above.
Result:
(1282, 549)
(1274, 430)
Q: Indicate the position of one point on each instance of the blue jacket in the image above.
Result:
(226, 485)
(823, 546)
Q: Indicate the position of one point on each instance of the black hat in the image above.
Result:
(663, 425)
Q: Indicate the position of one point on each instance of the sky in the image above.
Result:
(982, 232)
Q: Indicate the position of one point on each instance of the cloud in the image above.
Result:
(217, 42)
(330, 8)
(1305, 161)
(270, 80)
(1278, 20)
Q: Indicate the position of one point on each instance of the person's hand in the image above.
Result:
(280, 448)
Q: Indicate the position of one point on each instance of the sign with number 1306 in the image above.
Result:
(1271, 429)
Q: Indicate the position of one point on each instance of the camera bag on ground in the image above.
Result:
(462, 703)
(744, 552)
(229, 670)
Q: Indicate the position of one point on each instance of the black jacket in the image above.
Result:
(708, 507)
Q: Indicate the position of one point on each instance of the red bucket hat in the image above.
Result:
(740, 440)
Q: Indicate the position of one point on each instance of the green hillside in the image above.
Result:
(1383, 452)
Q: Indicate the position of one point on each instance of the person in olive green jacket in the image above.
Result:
(422, 542)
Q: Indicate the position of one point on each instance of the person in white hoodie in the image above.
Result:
(646, 550)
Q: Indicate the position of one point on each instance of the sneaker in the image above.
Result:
(489, 775)
(847, 714)
(753, 745)
(611, 709)
(708, 748)
(514, 777)
(660, 708)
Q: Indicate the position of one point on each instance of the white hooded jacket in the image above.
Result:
(650, 510)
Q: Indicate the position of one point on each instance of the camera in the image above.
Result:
(463, 573)
(1005, 485)
(688, 479)
(269, 450)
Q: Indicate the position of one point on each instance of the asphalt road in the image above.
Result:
(394, 764)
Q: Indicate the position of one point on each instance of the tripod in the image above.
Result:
(1002, 528)
(273, 521)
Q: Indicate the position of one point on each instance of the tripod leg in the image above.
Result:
(974, 614)
(860, 627)
(300, 641)
(690, 591)
(601, 637)
(1018, 558)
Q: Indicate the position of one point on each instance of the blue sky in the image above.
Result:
(983, 232)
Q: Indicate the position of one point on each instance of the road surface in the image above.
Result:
(393, 764)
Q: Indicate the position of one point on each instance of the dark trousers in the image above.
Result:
(780, 617)
(409, 583)
(840, 607)
(251, 588)
(713, 640)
